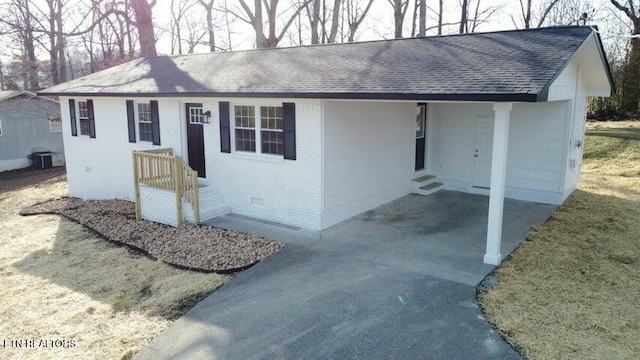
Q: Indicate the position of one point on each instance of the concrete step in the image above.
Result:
(426, 185)
(213, 212)
(424, 178)
(430, 188)
(211, 204)
(419, 183)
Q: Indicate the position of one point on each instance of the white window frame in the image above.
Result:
(200, 115)
(281, 130)
(254, 129)
(1, 131)
(258, 131)
(138, 121)
(78, 117)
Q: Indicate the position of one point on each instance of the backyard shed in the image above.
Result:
(310, 136)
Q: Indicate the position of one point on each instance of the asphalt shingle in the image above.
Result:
(481, 66)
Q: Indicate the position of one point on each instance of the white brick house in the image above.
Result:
(311, 136)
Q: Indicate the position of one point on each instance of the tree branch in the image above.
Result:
(631, 14)
(292, 19)
(546, 12)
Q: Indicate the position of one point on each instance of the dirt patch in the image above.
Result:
(571, 290)
(202, 248)
(22, 178)
(61, 281)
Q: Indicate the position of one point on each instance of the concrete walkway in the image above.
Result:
(397, 282)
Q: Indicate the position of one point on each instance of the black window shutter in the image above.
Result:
(131, 121)
(72, 116)
(225, 129)
(92, 119)
(289, 129)
(155, 122)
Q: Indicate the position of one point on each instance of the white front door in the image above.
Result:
(482, 152)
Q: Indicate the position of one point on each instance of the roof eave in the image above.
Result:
(543, 95)
(472, 97)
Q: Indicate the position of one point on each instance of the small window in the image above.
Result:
(144, 122)
(245, 131)
(196, 115)
(421, 115)
(55, 123)
(271, 134)
(83, 118)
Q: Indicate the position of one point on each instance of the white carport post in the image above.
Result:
(498, 179)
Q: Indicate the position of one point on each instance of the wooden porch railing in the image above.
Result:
(159, 168)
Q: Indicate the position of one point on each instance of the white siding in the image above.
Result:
(535, 165)
(572, 84)
(576, 138)
(452, 141)
(287, 191)
(369, 156)
(102, 168)
(564, 86)
(269, 187)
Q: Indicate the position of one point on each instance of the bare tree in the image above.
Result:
(313, 14)
(335, 21)
(527, 14)
(440, 15)
(20, 20)
(208, 7)
(178, 13)
(569, 12)
(144, 24)
(464, 14)
(399, 11)
(630, 87)
(480, 15)
(355, 14)
(254, 17)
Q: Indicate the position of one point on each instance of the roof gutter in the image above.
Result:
(501, 97)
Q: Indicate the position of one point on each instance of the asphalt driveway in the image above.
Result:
(397, 282)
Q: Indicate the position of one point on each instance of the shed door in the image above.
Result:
(195, 138)
(421, 123)
(482, 152)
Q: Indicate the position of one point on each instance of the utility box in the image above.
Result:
(46, 159)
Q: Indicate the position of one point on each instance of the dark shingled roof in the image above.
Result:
(514, 65)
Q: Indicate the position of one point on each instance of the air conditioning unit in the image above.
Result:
(47, 159)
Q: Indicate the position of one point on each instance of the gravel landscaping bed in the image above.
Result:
(201, 248)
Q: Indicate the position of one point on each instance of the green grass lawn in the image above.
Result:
(572, 290)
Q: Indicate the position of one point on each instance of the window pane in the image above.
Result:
(272, 142)
(146, 134)
(83, 110)
(245, 140)
(196, 115)
(83, 117)
(272, 119)
(420, 114)
(144, 112)
(84, 127)
(245, 116)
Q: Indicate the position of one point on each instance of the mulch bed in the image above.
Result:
(200, 248)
